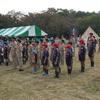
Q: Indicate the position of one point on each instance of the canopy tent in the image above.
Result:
(89, 30)
(22, 31)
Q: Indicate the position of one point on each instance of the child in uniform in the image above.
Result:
(56, 59)
(68, 59)
(82, 54)
(72, 51)
(6, 54)
(1, 51)
(45, 55)
(24, 53)
(34, 60)
(91, 50)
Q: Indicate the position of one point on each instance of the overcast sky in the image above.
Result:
(39, 5)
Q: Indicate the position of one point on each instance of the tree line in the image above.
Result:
(53, 21)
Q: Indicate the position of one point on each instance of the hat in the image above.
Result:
(91, 40)
(62, 40)
(81, 40)
(19, 40)
(47, 39)
(36, 41)
(91, 33)
(45, 44)
(30, 41)
(68, 46)
(13, 37)
(34, 51)
(55, 44)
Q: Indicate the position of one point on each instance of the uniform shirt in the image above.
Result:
(38, 49)
(19, 50)
(13, 45)
(82, 50)
(56, 54)
(68, 55)
(73, 42)
(91, 47)
(5, 50)
(45, 53)
(30, 49)
(2, 43)
(24, 51)
(61, 47)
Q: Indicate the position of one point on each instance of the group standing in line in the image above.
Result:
(41, 52)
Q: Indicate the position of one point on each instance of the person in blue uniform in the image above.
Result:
(68, 59)
(82, 54)
(6, 54)
(0, 54)
(24, 53)
(72, 51)
(56, 59)
(91, 50)
(45, 55)
(34, 60)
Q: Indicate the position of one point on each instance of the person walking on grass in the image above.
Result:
(68, 58)
(91, 51)
(82, 54)
(56, 59)
(34, 60)
(45, 55)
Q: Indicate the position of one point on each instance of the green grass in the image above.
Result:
(15, 85)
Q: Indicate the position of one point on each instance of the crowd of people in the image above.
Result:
(45, 52)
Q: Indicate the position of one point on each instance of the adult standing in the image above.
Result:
(13, 52)
(38, 54)
(30, 49)
(62, 49)
(19, 54)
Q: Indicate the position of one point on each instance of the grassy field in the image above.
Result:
(15, 85)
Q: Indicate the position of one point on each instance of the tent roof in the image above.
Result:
(22, 31)
(89, 30)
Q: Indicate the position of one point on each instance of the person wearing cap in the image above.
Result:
(90, 37)
(68, 58)
(91, 51)
(56, 59)
(72, 51)
(30, 49)
(82, 54)
(38, 50)
(62, 51)
(6, 54)
(57, 40)
(13, 52)
(19, 54)
(24, 53)
(62, 37)
(34, 60)
(45, 55)
(49, 49)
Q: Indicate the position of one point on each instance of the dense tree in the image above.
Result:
(53, 21)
